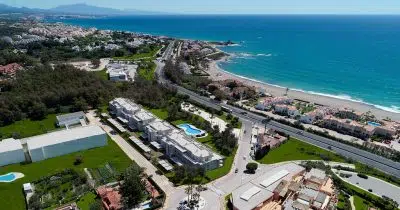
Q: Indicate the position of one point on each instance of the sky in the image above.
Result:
(232, 6)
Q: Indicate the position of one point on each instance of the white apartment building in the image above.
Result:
(179, 147)
(183, 150)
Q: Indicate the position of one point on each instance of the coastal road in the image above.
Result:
(362, 156)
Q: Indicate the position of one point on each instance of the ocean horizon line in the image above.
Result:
(142, 27)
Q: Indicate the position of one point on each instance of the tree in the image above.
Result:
(80, 104)
(38, 111)
(95, 63)
(78, 160)
(96, 205)
(189, 192)
(251, 167)
(119, 53)
(133, 189)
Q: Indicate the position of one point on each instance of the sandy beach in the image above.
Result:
(216, 73)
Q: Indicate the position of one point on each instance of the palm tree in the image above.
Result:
(189, 192)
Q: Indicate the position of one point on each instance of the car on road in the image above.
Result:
(243, 113)
(300, 132)
(236, 170)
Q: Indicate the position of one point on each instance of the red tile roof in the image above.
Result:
(10, 69)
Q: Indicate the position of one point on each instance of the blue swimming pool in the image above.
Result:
(190, 129)
(373, 123)
(8, 177)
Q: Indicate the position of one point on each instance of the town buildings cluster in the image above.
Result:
(287, 186)
(180, 148)
(343, 120)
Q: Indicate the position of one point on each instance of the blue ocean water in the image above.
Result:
(350, 57)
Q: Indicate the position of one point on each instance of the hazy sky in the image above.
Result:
(234, 6)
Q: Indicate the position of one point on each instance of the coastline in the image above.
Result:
(217, 74)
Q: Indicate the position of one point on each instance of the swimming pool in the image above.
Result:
(191, 130)
(373, 123)
(10, 177)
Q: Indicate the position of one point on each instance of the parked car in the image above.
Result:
(236, 170)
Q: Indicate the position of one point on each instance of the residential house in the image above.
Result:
(10, 70)
(271, 101)
(110, 197)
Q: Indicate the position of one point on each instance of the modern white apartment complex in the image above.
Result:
(180, 148)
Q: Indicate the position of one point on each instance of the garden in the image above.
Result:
(58, 189)
(294, 149)
(11, 194)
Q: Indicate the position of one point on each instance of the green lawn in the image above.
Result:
(85, 201)
(160, 113)
(222, 171)
(342, 201)
(27, 127)
(11, 194)
(294, 149)
(102, 74)
(149, 72)
(359, 203)
(150, 54)
(223, 117)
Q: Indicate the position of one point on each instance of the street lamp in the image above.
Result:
(265, 122)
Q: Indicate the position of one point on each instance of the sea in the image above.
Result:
(349, 57)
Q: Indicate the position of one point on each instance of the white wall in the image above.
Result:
(11, 157)
(68, 147)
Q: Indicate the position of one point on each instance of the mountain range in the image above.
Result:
(76, 9)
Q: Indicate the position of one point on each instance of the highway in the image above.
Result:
(362, 156)
(386, 165)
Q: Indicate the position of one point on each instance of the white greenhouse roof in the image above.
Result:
(274, 178)
(66, 135)
(10, 145)
(249, 193)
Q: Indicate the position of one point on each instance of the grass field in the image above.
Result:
(149, 55)
(27, 127)
(222, 171)
(160, 113)
(149, 72)
(85, 201)
(359, 203)
(294, 149)
(102, 74)
(11, 194)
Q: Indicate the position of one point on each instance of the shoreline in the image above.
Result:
(218, 74)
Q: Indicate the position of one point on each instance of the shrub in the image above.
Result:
(251, 167)
(78, 160)
(362, 176)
